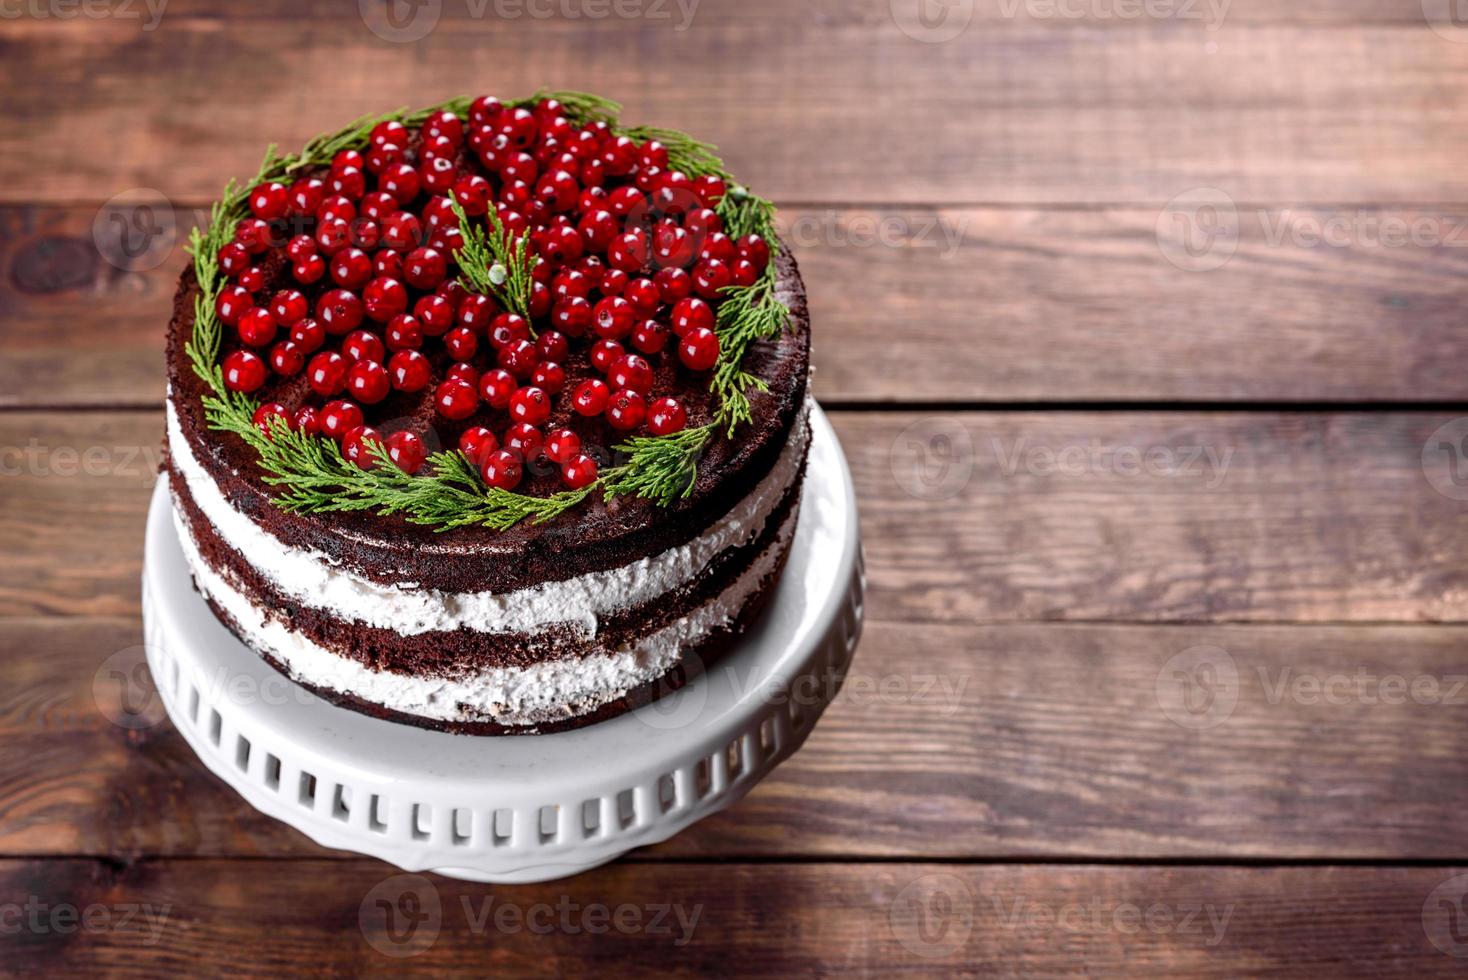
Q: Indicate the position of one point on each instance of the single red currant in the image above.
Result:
(673, 285)
(339, 417)
(351, 268)
(401, 181)
(437, 174)
(561, 445)
(355, 443)
(299, 247)
(476, 312)
(234, 258)
(604, 354)
(363, 345)
(327, 373)
(756, 250)
(253, 278)
(268, 411)
(269, 201)
(519, 357)
(530, 404)
(650, 336)
(496, 387)
(467, 373)
(666, 416)
(243, 371)
(402, 232)
(287, 359)
(308, 269)
(626, 410)
(524, 440)
(717, 245)
(367, 382)
(476, 443)
(339, 311)
(643, 296)
(698, 349)
(257, 326)
(691, 313)
(408, 370)
(306, 195)
(254, 234)
(590, 397)
(308, 335)
(455, 399)
(406, 449)
(550, 376)
(462, 344)
(710, 277)
(384, 299)
(710, 189)
(288, 306)
(625, 200)
(307, 420)
(232, 303)
(571, 316)
(435, 313)
(378, 205)
(501, 470)
(403, 332)
(631, 372)
(612, 318)
(579, 471)
(743, 273)
(630, 252)
(425, 268)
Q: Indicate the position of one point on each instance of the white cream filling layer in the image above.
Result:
(317, 581)
(550, 691)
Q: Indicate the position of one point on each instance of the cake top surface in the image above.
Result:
(509, 321)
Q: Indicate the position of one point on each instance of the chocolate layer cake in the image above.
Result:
(363, 505)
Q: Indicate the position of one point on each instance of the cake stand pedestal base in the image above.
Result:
(516, 808)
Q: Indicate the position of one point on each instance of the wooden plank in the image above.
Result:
(1002, 517)
(947, 742)
(975, 304)
(827, 112)
(800, 920)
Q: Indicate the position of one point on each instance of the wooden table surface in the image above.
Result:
(1145, 334)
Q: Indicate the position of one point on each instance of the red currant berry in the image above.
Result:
(692, 313)
(519, 357)
(378, 205)
(308, 269)
(363, 345)
(507, 328)
(643, 296)
(253, 278)
(408, 370)
(652, 154)
(631, 372)
(558, 244)
(717, 245)
(463, 372)
(402, 232)
(406, 449)
(307, 420)
(571, 316)
(288, 306)
(755, 249)
(287, 359)
(257, 326)
(339, 417)
(462, 344)
(550, 376)
(233, 258)
(673, 285)
(612, 318)
(625, 200)
(327, 373)
(335, 208)
(384, 299)
(561, 445)
(598, 228)
(355, 443)
(367, 382)
(626, 410)
(496, 387)
(425, 268)
(269, 201)
(476, 312)
(743, 273)
(699, 349)
(672, 246)
(308, 335)
(403, 332)
(455, 399)
(590, 397)
(579, 471)
(339, 311)
(300, 247)
(268, 411)
(348, 182)
(530, 404)
(524, 440)
(351, 268)
(435, 313)
(437, 174)
(710, 189)
(401, 181)
(650, 336)
(701, 222)
(476, 443)
(558, 189)
(540, 299)
(666, 416)
(232, 303)
(306, 195)
(710, 277)
(629, 252)
(243, 371)
(333, 235)
(347, 158)
(501, 470)
(254, 234)
(604, 354)
(384, 155)
(613, 282)
(388, 131)
(387, 265)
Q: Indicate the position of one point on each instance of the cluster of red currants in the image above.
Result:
(628, 253)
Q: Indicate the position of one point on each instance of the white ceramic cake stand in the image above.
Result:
(516, 808)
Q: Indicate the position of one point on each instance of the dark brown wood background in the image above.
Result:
(988, 226)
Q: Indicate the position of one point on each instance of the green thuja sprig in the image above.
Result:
(494, 262)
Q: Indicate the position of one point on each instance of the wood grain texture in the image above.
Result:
(968, 517)
(946, 742)
(987, 304)
(826, 111)
(796, 920)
